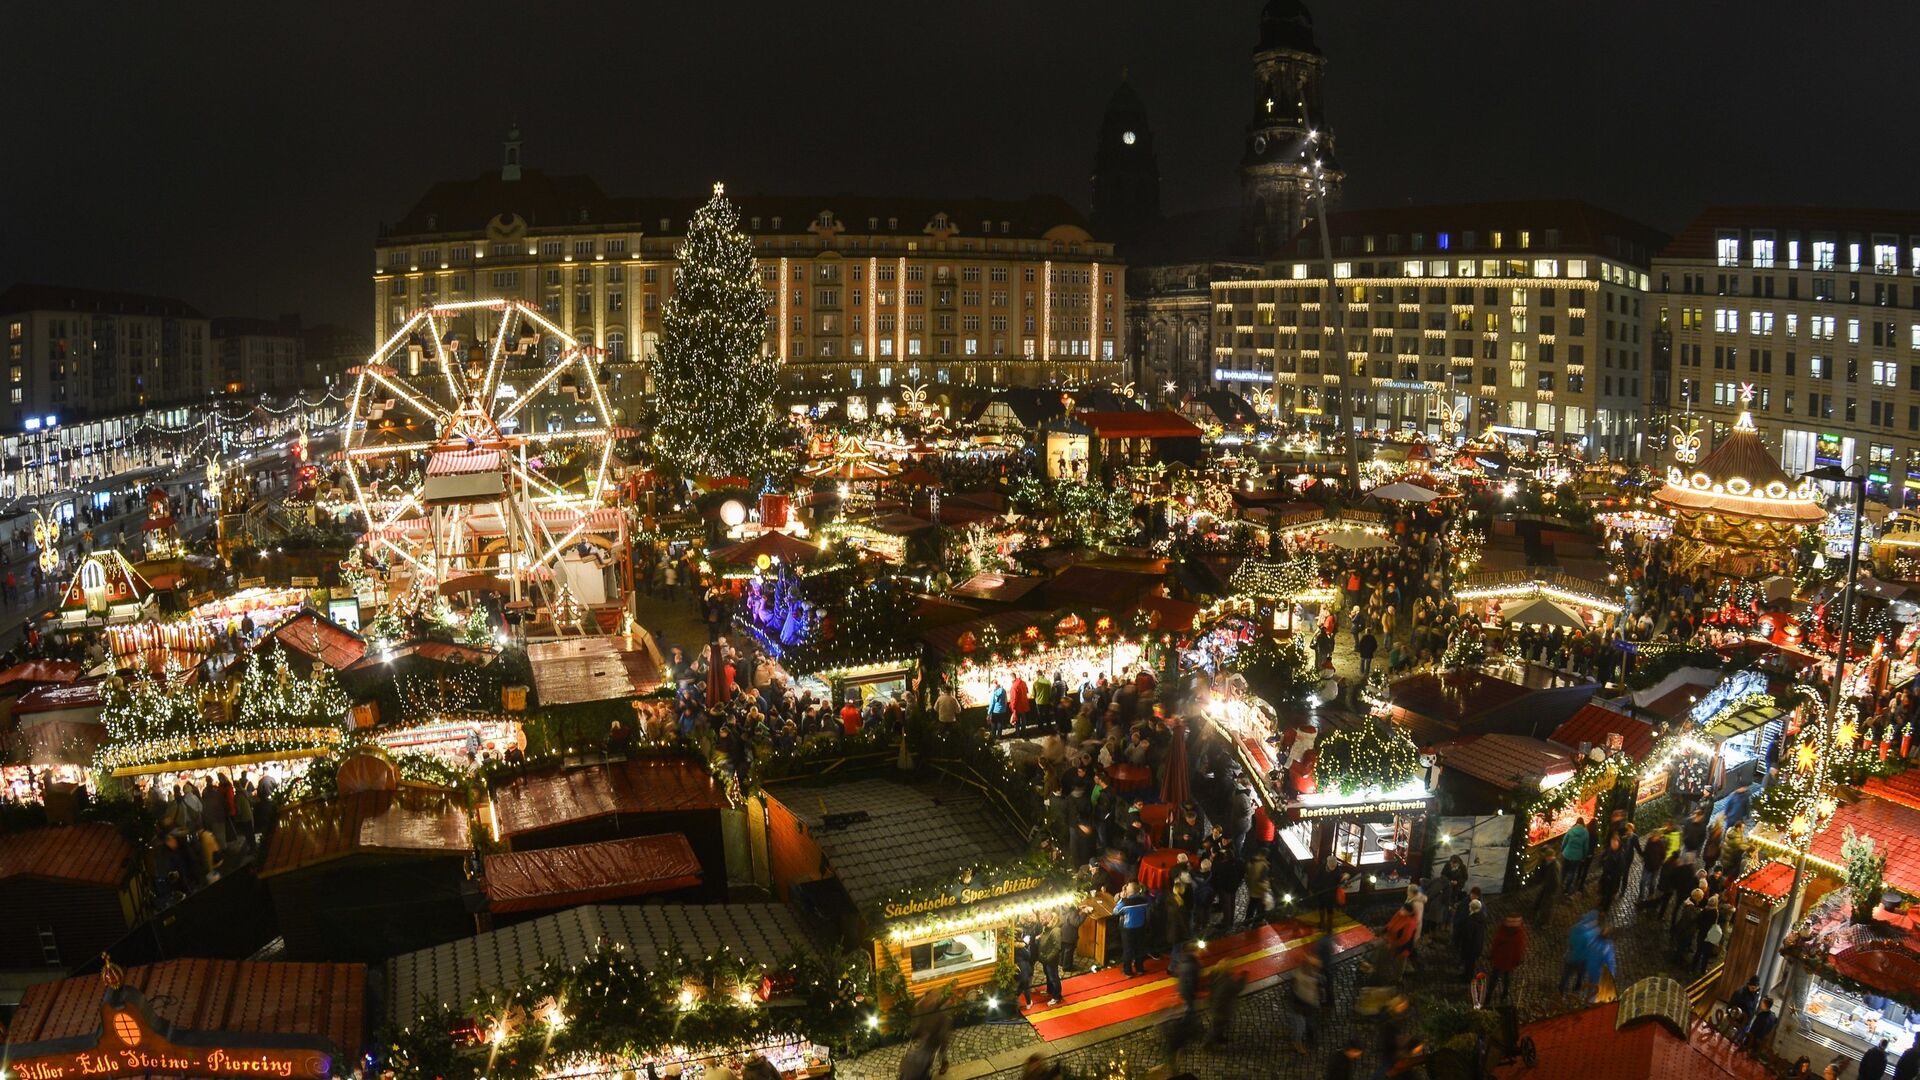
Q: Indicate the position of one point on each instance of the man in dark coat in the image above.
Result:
(1470, 937)
(1873, 1063)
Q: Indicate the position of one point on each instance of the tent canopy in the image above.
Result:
(775, 545)
(1541, 611)
(1401, 491)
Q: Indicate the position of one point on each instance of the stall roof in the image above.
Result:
(91, 854)
(1598, 1043)
(638, 786)
(594, 668)
(588, 873)
(1744, 721)
(774, 545)
(456, 971)
(35, 672)
(409, 821)
(1594, 722)
(317, 637)
(1106, 587)
(1139, 425)
(1895, 829)
(255, 997)
(1506, 761)
(998, 587)
(1901, 787)
(910, 833)
(1444, 701)
(1166, 613)
(1774, 880)
(84, 694)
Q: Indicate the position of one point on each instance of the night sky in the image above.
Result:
(240, 156)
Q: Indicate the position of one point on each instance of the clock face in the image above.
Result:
(1259, 144)
(1128, 137)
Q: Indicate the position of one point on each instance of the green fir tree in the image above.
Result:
(715, 378)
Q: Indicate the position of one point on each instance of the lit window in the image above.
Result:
(1763, 252)
(1823, 251)
(1727, 249)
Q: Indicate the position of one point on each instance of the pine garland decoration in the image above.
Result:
(1372, 756)
(715, 378)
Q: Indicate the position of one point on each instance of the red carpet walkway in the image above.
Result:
(1105, 997)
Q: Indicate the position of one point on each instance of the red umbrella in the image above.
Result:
(1174, 788)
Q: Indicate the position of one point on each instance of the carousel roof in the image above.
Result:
(1741, 479)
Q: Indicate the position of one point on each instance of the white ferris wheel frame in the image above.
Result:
(530, 497)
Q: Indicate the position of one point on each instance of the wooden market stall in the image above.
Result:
(66, 894)
(618, 800)
(368, 874)
(197, 1018)
(928, 877)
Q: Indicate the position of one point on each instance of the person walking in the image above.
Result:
(1223, 995)
(1574, 848)
(1469, 937)
(1309, 991)
(1573, 963)
(1365, 648)
(1185, 970)
(1908, 1067)
(1052, 950)
(1758, 1038)
(1873, 1063)
(1508, 953)
(1134, 908)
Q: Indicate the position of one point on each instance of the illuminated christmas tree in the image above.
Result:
(715, 378)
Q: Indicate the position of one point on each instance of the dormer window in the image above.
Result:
(1006, 227)
(666, 224)
(826, 219)
(756, 222)
(940, 221)
(893, 223)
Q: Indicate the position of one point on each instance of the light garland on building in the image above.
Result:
(986, 915)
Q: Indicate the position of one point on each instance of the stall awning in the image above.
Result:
(589, 873)
(1744, 721)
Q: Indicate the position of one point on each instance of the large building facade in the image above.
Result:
(1817, 311)
(75, 353)
(1527, 318)
(259, 356)
(865, 296)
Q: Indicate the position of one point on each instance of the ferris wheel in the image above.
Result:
(477, 448)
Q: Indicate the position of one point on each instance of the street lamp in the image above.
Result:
(1818, 805)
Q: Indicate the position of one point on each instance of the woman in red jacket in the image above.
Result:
(1509, 952)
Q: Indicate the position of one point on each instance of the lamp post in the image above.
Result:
(1802, 828)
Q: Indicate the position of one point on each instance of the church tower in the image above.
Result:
(1288, 140)
(1126, 175)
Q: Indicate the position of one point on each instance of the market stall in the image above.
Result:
(1069, 646)
(1853, 982)
(105, 589)
(1369, 804)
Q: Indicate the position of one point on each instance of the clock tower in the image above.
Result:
(1289, 148)
(1126, 175)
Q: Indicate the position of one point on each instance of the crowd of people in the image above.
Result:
(206, 826)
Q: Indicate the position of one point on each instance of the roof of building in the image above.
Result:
(1108, 588)
(317, 637)
(327, 1001)
(589, 873)
(1139, 425)
(1895, 828)
(456, 971)
(998, 587)
(1773, 880)
(31, 673)
(595, 668)
(1287, 24)
(1594, 722)
(90, 693)
(31, 296)
(1741, 478)
(1445, 700)
(554, 202)
(636, 786)
(1506, 762)
(413, 820)
(90, 854)
(286, 326)
(1698, 238)
(1596, 1044)
(911, 832)
(1582, 228)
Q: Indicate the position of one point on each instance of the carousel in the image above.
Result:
(1736, 511)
